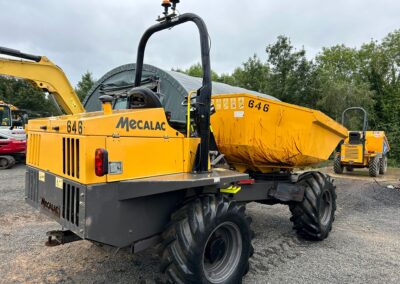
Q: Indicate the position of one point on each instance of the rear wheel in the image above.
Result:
(207, 241)
(383, 165)
(313, 217)
(6, 162)
(373, 168)
(337, 165)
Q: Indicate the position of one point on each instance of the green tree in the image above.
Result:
(292, 76)
(252, 75)
(84, 85)
(196, 70)
(342, 85)
(26, 96)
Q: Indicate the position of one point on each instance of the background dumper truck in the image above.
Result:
(147, 170)
(362, 149)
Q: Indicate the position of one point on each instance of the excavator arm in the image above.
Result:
(43, 73)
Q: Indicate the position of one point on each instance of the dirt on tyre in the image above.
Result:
(337, 165)
(383, 165)
(6, 162)
(373, 168)
(313, 217)
(207, 241)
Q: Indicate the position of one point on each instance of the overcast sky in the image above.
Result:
(98, 35)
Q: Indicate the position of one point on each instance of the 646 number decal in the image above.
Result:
(74, 127)
(259, 105)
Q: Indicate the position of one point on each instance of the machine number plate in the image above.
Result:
(258, 105)
(42, 176)
(72, 127)
(59, 182)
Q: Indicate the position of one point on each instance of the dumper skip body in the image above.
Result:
(260, 134)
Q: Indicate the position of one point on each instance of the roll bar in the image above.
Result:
(365, 122)
(203, 94)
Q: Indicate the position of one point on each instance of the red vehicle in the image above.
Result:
(12, 136)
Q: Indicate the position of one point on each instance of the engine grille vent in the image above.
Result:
(34, 149)
(32, 187)
(70, 205)
(71, 157)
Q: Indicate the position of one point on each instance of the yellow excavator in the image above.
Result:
(40, 71)
(130, 177)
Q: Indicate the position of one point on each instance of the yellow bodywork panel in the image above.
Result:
(260, 134)
(69, 156)
(141, 141)
(375, 141)
(145, 157)
(352, 154)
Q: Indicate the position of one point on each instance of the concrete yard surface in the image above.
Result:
(363, 247)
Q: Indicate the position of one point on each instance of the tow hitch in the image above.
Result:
(56, 238)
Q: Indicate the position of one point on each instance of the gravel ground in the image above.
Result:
(364, 245)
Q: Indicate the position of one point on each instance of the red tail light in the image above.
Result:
(101, 162)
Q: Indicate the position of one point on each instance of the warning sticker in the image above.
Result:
(226, 103)
(218, 104)
(233, 103)
(42, 176)
(59, 182)
(241, 103)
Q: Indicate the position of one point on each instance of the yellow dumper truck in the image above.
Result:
(145, 170)
(362, 149)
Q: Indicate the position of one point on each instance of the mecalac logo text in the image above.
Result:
(128, 124)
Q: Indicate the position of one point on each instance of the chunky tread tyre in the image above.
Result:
(337, 165)
(383, 165)
(187, 235)
(6, 162)
(373, 168)
(310, 219)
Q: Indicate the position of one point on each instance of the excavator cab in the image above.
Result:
(5, 116)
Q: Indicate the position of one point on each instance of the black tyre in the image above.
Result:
(337, 165)
(313, 217)
(349, 169)
(6, 162)
(383, 165)
(373, 167)
(207, 241)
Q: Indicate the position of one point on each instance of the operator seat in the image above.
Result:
(142, 97)
(355, 138)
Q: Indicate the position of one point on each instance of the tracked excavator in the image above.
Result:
(12, 135)
(130, 177)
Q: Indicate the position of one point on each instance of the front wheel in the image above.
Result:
(207, 241)
(373, 168)
(337, 165)
(383, 165)
(313, 217)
